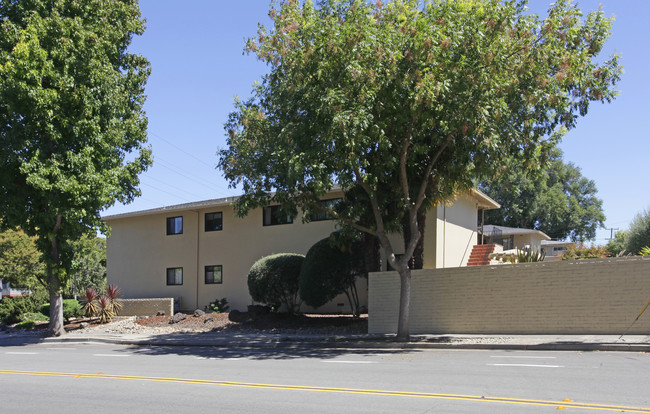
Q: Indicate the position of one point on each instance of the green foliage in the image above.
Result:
(557, 200)
(530, 255)
(329, 270)
(20, 261)
(71, 309)
(35, 316)
(275, 280)
(72, 123)
(26, 325)
(219, 306)
(638, 235)
(580, 252)
(410, 102)
(616, 246)
(645, 251)
(88, 266)
(13, 309)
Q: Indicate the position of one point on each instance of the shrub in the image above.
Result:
(35, 316)
(329, 270)
(71, 309)
(26, 325)
(106, 311)
(90, 308)
(219, 306)
(529, 255)
(638, 236)
(113, 294)
(645, 251)
(275, 280)
(13, 309)
(580, 252)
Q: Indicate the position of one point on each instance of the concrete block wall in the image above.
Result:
(600, 296)
(146, 307)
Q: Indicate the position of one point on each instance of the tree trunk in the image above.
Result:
(403, 333)
(417, 261)
(55, 327)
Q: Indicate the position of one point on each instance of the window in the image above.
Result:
(174, 225)
(213, 221)
(321, 215)
(271, 216)
(174, 276)
(213, 274)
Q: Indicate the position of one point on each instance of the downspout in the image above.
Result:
(198, 271)
(444, 235)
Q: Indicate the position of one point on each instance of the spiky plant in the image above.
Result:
(105, 309)
(530, 255)
(113, 293)
(90, 308)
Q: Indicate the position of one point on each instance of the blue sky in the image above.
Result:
(195, 49)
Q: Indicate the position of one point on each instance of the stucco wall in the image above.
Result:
(456, 234)
(139, 252)
(600, 296)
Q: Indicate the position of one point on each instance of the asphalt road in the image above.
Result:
(99, 378)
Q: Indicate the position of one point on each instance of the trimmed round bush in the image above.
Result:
(329, 270)
(274, 280)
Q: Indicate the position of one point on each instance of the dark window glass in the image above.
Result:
(174, 276)
(271, 216)
(321, 215)
(174, 225)
(213, 274)
(213, 221)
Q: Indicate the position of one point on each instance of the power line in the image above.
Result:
(182, 150)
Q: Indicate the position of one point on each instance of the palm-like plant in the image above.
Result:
(90, 307)
(105, 309)
(113, 294)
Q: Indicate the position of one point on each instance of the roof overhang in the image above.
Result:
(484, 202)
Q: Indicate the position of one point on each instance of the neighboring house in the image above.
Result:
(6, 291)
(514, 238)
(555, 249)
(198, 252)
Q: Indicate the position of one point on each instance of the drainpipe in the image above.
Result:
(444, 235)
(198, 271)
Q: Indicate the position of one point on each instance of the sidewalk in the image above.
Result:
(629, 343)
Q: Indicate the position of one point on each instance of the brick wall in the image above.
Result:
(146, 307)
(600, 296)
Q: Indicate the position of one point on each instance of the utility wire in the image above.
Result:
(181, 150)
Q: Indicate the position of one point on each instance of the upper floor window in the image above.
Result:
(174, 276)
(174, 225)
(324, 214)
(213, 221)
(271, 216)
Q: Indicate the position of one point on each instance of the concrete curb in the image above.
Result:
(341, 343)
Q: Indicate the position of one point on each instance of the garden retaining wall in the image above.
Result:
(146, 307)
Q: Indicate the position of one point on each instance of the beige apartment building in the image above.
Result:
(198, 252)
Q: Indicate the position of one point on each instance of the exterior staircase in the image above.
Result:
(480, 254)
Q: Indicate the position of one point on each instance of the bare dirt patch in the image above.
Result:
(269, 323)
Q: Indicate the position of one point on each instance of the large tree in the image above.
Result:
(70, 113)
(20, 261)
(638, 235)
(555, 199)
(410, 102)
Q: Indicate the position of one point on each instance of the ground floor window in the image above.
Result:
(174, 276)
(213, 274)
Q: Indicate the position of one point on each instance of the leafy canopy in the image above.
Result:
(72, 126)
(408, 100)
(556, 199)
(638, 235)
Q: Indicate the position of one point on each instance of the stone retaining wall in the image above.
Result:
(600, 296)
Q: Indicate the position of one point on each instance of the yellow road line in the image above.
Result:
(460, 397)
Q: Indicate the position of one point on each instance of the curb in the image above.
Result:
(284, 342)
